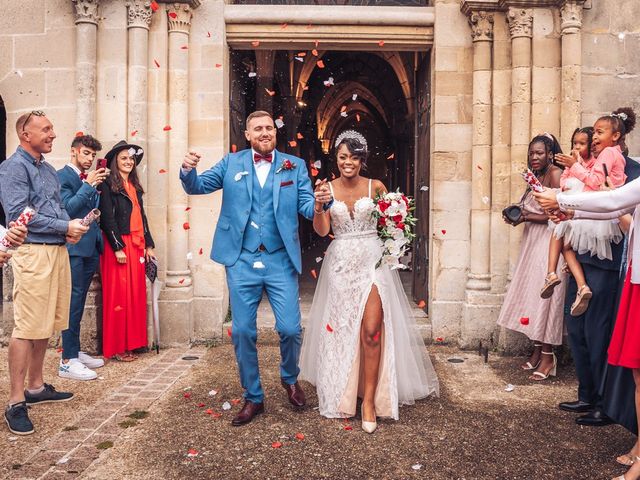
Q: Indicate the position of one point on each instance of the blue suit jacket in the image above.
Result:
(79, 198)
(234, 174)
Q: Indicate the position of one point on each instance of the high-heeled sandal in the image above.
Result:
(582, 301)
(628, 459)
(539, 376)
(368, 427)
(551, 281)
(528, 365)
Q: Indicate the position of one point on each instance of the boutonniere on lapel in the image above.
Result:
(286, 165)
(239, 175)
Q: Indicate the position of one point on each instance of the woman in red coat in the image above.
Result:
(128, 245)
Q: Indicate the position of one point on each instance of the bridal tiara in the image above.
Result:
(351, 134)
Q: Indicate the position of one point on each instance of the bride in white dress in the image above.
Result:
(360, 338)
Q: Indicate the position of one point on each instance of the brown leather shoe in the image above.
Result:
(246, 414)
(295, 394)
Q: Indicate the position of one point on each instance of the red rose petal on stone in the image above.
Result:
(167, 128)
(200, 405)
(218, 65)
(173, 15)
(192, 452)
(276, 445)
(234, 148)
(300, 436)
(421, 304)
(329, 329)
(348, 427)
(255, 43)
(524, 320)
(439, 340)
(216, 415)
(133, 134)
(154, 6)
(186, 225)
(444, 232)
(156, 62)
(59, 349)
(162, 170)
(320, 64)
(79, 134)
(314, 274)
(228, 332)
(118, 308)
(376, 337)
(187, 395)
(209, 411)
(236, 401)
(200, 251)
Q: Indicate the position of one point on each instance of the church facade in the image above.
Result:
(448, 93)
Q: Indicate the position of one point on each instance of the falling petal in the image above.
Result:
(329, 328)
(156, 62)
(252, 74)
(154, 6)
(200, 252)
(167, 128)
(524, 320)
(314, 172)
(354, 97)
(318, 259)
(317, 164)
(234, 148)
(173, 15)
(184, 47)
(444, 232)
(162, 170)
(283, 26)
(186, 225)
(391, 157)
(218, 65)
(421, 304)
(255, 43)
(314, 52)
(228, 332)
(271, 93)
(299, 136)
(314, 274)
(118, 308)
(133, 134)
(189, 256)
(320, 64)
(279, 123)
(209, 34)
(79, 134)
(293, 143)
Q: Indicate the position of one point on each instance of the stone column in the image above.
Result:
(86, 54)
(520, 26)
(570, 108)
(179, 18)
(138, 21)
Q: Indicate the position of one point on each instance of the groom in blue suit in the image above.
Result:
(257, 240)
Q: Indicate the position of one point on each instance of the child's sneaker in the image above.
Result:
(76, 370)
(551, 281)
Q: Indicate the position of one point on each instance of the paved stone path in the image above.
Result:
(72, 450)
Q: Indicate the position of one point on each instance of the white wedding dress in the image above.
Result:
(331, 349)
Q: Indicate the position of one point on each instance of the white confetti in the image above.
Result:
(329, 82)
(509, 388)
(189, 255)
(417, 466)
(186, 389)
(63, 460)
(226, 406)
(100, 378)
(252, 74)
(318, 259)
(621, 36)
(258, 264)
(141, 259)
(300, 59)
(317, 164)
(424, 188)
(19, 73)
(279, 123)
(140, 151)
(213, 393)
(343, 114)
(485, 200)
(255, 225)
(239, 175)
(354, 97)
(132, 151)
(12, 439)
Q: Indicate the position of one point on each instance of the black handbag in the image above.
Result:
(513, 213)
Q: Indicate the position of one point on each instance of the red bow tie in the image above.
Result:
(267, 158)
(83, 176)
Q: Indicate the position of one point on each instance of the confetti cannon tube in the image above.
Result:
(532, 180)
(91, 217)
(24, 218)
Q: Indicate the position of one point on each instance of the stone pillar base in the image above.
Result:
(176, 316)
(445, 319)
(513, 343)
(208, 317)
(479, 314)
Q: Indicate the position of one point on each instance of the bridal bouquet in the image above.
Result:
(395, 222)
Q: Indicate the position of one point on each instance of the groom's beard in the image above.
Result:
(262, 148)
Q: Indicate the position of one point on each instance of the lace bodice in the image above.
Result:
(359, 221)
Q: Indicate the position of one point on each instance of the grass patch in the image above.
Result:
(139, 414)
(69, 428)
(128, 423)
(104, 445)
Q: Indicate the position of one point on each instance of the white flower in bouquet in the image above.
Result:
(394, 220)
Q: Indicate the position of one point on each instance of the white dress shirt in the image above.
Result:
(261, 168)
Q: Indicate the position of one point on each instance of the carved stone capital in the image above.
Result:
(179, 15)
(520, 22)
(571, 12)
(139, 13)
(481, 26)
(86, 11)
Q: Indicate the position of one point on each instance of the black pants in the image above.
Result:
(590, 333)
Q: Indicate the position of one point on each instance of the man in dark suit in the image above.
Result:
(79, 195)
(590, 333)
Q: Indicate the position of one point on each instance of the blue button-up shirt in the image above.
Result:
(29, 182)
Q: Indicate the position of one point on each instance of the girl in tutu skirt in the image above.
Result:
(585, 172)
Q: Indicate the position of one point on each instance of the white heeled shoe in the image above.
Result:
(539, 376)
(368, 427)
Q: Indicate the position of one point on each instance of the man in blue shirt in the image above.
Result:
(79, 196)
(42, 278)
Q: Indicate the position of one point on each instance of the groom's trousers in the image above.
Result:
(253, 273)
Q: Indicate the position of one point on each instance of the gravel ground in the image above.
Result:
(475, 430)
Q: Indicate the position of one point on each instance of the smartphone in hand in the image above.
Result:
(102, 163)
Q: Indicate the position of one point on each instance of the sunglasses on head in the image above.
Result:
(37, 113)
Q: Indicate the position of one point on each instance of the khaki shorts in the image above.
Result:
(41, 290)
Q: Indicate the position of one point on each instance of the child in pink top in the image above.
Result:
(584, 172)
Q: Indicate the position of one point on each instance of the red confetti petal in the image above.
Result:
(228, 332)
(300, 436)
(439, 340)
(181, 281)
(444, 232)
(216, 415)
(376, 337)
(271, 93)
(314, 172)
(187, 209)
(421, 304)
(154, 6)
(133, 134)
(200, 405)
(209, 34)
(187, 395)
(173, 15)
(184, 47)
(320, 64)
(358, 117)
(283, 26)
(255, 43)
(301, 54)
(343, 108)
(381, 43)
(59, 350)
(236, 401)
(314, 52)
(314, 274)
(234, 148)
(329, 328)
(186, 225)
(162, 170)
(79, 134)
(218, 65)
(299, 136)
(348, 427)
(293, 143)
(524, 320)
(192, 452)
(118, 308)
(156, 62)
(276, 445)
(167, 128)
(200, 251)
(209, 411)
(390, 157)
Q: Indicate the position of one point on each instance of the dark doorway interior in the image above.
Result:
(315, 95)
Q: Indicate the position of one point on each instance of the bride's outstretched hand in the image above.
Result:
(322, 192)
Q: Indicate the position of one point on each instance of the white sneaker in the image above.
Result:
(76, 370)
(89, 361)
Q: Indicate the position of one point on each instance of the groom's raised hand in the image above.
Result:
(190, 161)
(322, 192)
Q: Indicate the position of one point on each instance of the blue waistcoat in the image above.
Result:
(263, 216)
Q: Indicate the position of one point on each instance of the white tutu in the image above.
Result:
(588, 236)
